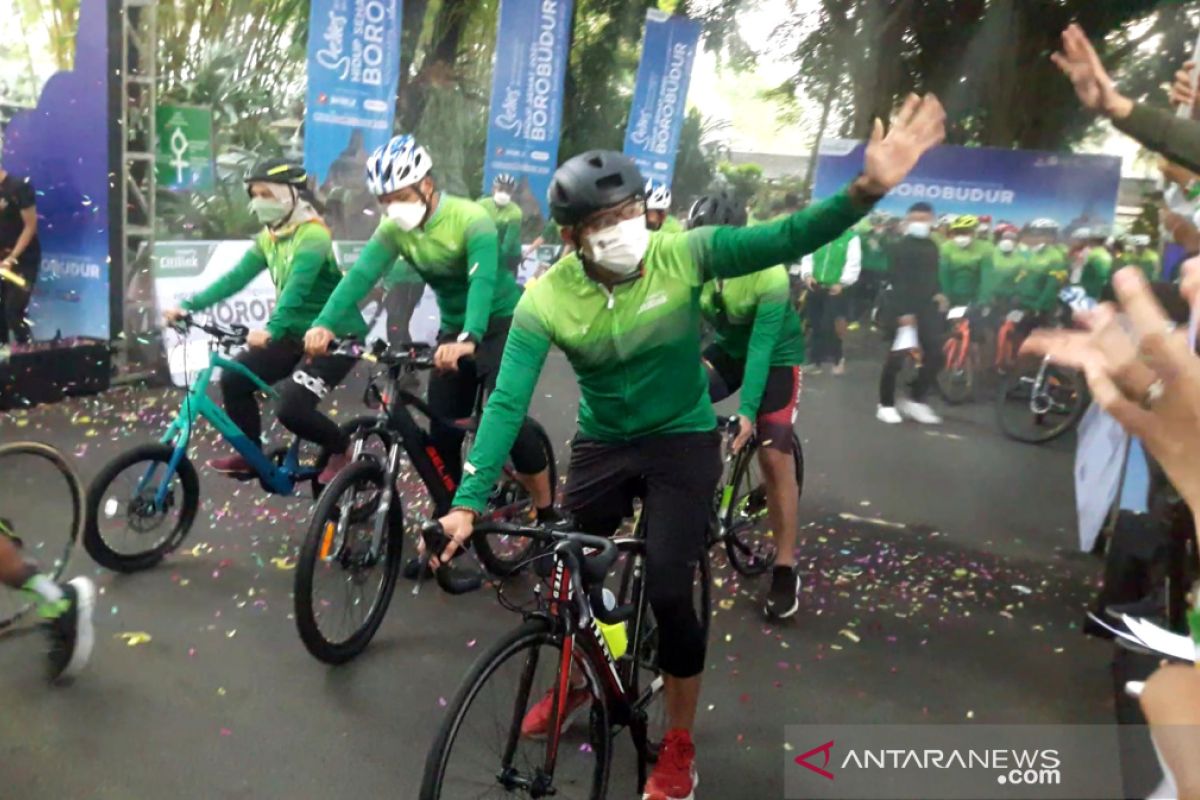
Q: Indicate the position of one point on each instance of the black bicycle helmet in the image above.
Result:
(281, 171)
(591, 182)
(720, 208)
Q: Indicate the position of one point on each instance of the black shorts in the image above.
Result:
(776, 411)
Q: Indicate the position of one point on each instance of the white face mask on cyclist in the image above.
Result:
(962, 241)
(1006, 245)
(621, 248)
(502, 198)
(407, 216)
(918, 230)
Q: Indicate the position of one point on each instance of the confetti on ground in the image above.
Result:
(134, 638)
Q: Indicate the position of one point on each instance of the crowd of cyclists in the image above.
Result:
(627, 303)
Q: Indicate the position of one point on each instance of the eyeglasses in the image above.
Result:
(601, 220)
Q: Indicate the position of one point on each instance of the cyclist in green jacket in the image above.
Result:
(451, 243)
(508, 218)
(964, 262)
(759, 347)
(626, 311)
(658, 208)
(296, 248)
(1097, 266)
(1036, 286)
(1010, 257)
(1141, 255)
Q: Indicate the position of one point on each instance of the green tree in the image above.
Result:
(744, 180)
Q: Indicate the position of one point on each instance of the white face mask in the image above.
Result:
(1006, 245)
(621, 248)
(962, 241)
(268, 210)
(918, 230)
(502, 198)
(406, 215)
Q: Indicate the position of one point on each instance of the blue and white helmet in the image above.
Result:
(658, 196)
(398, 164)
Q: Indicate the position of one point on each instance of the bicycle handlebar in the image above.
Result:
(588, 571)
(418, 355)
(231, 334)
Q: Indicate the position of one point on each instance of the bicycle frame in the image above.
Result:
(958, 345)
(276, 479)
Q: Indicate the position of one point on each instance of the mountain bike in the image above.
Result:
(558, 650)
(351, 555)
(1008, 342)
(960, 364)
(42, 512)
(742, 524)
(142, 504)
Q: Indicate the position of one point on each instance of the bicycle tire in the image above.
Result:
(738, 551)
(56, 568)
(534, 632)
(506, 562)
(93, 541)
(957, 386)
(315, 641)
(1070, 420)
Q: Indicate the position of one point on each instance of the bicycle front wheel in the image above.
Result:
(42, 513)
(1036, 405)
(956, 381)
(344, 583)
(481, 749)
(749, 540)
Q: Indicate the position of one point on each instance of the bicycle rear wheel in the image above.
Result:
(1037, 409)
(749, 540)
(502, 555)
(479, 750)
(956, 381)
(42, 512)
(342, 589)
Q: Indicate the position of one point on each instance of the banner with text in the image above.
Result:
(1015, 186)
(660, 96)
(353, 68)
(61, 147)
(527, 86)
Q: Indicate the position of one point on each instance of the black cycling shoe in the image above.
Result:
(783, 599)
(71, 633)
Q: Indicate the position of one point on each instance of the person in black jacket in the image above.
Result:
(912, 318)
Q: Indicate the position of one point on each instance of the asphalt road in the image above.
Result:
(940, 586)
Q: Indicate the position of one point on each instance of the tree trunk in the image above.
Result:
(827, 106)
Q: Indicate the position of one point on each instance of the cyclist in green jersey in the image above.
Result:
(875, 236)
(626, 311)
(658, 208)
(1141, 255)
(759, 347)
(451, 243)
(65, 608)
(296, 249)
(508, 217)
(1045, 272)
(1097, 265)
(964, 262)
(999, 282)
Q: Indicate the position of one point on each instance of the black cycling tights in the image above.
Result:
(676, 476)
(298, 397)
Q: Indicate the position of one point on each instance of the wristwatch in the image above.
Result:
(465, 337)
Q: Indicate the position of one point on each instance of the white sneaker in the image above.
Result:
(889, 415)
(918, 412)
(840, 367)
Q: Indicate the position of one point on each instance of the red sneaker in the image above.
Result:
(231, 465)
(674, 776)
(536, 724)
(335, 465)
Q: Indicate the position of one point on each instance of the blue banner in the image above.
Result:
(532, 42)
(1015, 186)
(660, 96)
(62, 148)
(353, 68)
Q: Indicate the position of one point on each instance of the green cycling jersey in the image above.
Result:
(454, 252)
(962, 269)
(508, 219)
(635, 348)
(1037, 283)
(1097, 270)
(302, 266)
(671, 225)
(1000, 282)
(756, 324)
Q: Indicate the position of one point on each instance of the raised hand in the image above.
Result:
(1080, 63)
(919, 126)
(1182, 93)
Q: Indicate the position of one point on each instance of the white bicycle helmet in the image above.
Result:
(398, 164)
(658, 196)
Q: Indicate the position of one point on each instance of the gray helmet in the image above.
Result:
(719, 208)
(591, 182)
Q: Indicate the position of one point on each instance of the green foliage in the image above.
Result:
(694, 166)
(744, 180)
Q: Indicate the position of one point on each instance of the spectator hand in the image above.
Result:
(918, 126)
(258, 338)
(1080, 63)
(1142, 373)
(1181, 92)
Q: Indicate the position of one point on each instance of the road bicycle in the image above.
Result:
(142, 504)
(558, 653)
(1008, 342)
(349, 561)
(960, 364)
(742, 524)
(42, 512)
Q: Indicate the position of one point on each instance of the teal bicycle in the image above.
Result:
(142, 504)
